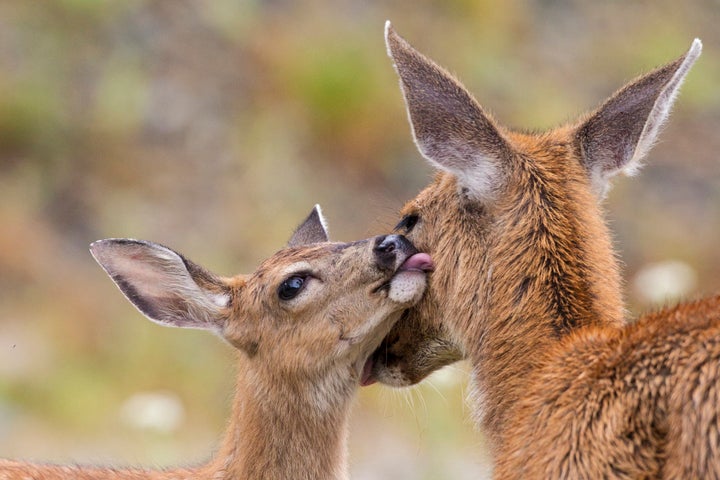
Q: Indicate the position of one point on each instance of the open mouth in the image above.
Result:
(367, 374)
(367, 377)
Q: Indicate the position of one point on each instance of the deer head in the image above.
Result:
(513, 219)
(312, 305)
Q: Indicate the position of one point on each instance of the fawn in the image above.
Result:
(527, 288)
(304, 324)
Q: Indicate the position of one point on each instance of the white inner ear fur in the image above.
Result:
(165, 273)
(482, 181)
(204, 305)
(221, 300)
(479, 174)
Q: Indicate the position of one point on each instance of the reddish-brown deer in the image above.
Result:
(527, 288)
(304, 324)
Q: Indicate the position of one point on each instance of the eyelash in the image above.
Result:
(408, 222)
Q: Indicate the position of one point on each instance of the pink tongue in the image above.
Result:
(419, 261)
(366, 377)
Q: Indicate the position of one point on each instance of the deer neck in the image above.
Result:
(282, 429)
(549, 271)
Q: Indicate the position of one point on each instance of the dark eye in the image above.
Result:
(290, 288)
(407, 223)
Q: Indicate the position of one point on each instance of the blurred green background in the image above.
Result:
(214, 126)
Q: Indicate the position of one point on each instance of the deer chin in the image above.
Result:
(408, 284)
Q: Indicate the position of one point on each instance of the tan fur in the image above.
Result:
(299, 361)
(527, 288)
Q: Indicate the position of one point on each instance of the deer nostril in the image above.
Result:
(385, 251)
(386, 244)
(387, 247)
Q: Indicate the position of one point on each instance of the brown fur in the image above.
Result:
(299, 360)
(527, 288)
(637, 402)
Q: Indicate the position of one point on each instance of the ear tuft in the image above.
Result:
(449, 127)
(312, 230)
(622, 131)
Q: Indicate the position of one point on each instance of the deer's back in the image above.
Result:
(641, 402)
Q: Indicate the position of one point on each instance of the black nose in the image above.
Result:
(389, 247)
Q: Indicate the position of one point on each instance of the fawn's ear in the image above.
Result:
(449, 127)
(163, 285)
(312, 230)
(620, 133)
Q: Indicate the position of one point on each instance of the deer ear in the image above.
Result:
(164, 286)
(620, 133)
(449, 127)
(312, 230)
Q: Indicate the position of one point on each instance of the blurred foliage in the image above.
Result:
(214, 127)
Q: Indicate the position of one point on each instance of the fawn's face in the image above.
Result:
(498, 192)
(312, 306)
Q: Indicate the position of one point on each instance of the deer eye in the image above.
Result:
(408, 222)
(291, 287)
